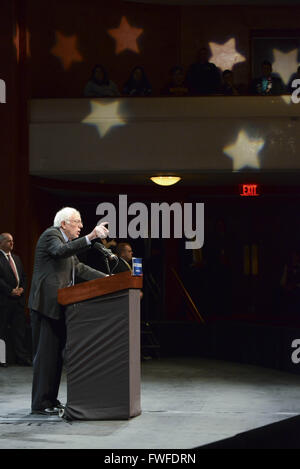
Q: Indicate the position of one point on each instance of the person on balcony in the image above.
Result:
(203, 76)
(99, 84)
(228, 87)
(267, 83)
(137, 83)
(177, 85)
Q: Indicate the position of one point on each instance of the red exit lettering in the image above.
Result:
(249, 190)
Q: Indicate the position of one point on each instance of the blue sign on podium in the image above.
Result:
(137, 266)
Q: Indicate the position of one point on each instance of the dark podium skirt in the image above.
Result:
(102, 357)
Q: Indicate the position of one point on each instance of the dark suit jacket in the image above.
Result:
(8, 281)
(121, 267)
(53, 267)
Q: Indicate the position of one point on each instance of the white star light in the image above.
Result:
(104, 116)
(285, 63)
(244, 152)
(225, 56)
(286, 98)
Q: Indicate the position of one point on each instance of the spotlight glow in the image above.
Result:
(126, 36)
(225, 56)
(285, 63)
(66, 50)
(17, 43)
(244, 152)
(104, 116)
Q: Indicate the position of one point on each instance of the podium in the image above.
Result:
(102, 353)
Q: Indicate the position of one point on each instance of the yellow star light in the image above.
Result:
(126, 36)
(244, 152)
(104, 116)
(225, 56)
(285, 63)
(66, 50)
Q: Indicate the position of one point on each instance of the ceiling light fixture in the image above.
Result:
(165, 180)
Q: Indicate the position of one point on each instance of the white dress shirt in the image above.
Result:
(6, 254)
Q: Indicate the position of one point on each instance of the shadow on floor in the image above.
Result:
(280, 435)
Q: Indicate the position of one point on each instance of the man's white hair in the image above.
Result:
(64, 215)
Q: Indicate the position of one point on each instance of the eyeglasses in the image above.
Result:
(75, 222)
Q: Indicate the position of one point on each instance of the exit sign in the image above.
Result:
(249, 190)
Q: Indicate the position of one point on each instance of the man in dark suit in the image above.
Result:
(203, 77)
(12, 299)
(124, 253)
(56, 266)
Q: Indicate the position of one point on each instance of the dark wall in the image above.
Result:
(8, 118)
(170, 35)
(89, 21)
(14, 194)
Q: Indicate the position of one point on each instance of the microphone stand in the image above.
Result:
(107, 265)
(107, 255)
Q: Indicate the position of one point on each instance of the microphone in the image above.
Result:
(105, 251)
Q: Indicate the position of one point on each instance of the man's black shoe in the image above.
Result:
(3, 365)
(58, 405)
(62, 414)
(48, 411)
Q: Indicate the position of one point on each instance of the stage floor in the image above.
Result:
(186, 403)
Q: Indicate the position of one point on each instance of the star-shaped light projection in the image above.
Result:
(285, 63)
(286, 98)
(126, 36)
(104, 116)
(28, 50)
(66, 50)
(244, 152)
(17, 42)
(225, 56)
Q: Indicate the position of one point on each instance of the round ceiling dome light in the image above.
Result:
(165, 180)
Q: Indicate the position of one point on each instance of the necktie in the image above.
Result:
(73, 271)
(128, 265)
(12, 265)
(72, 282)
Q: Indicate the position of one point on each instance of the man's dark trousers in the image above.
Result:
(48, 343)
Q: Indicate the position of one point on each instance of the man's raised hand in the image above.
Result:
(100, 231)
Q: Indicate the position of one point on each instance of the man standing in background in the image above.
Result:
(12, 299)
(124, 253)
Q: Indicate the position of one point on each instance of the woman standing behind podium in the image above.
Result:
(55, 266)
